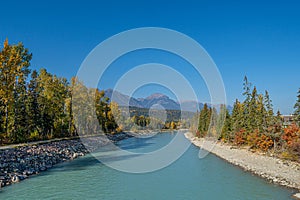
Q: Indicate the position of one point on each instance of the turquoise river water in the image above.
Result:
(187, 178)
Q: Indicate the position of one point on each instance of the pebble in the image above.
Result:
(296, 196)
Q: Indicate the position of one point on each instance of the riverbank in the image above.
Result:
(18, 162)
(285, 173)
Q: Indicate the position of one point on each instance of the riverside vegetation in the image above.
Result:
(38, 105)
(253, 124)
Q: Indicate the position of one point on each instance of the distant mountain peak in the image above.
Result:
(148, 102)
(156, 96)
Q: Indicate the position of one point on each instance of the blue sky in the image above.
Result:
(260, 39)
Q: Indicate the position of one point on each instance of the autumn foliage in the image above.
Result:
(239, 137)
(254, 124)
(291, 135)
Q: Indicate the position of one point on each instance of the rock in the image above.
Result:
(15, 179)
(296, 196)
(43, 168)
(22, 177)
(18, 163)
(75, 155)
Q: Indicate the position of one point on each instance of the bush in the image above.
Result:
(34, 136)
(239, 137)
(288, 156)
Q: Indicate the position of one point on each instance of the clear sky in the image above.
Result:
(260, 39)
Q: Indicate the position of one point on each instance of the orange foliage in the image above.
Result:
(291, 135)
(239, 137)
(265, 142)
(252, 139)
(260, 141)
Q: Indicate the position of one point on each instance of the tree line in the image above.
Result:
(253, 123)
(38, 105)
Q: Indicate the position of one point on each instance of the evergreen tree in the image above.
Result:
(261, 116)
(45, 103)
(204, 120)
(247, 90)
(102, 109)
(237, 116)
(33, 112)
(226, 133)
(20, 125)
(247, 95)
(270, 120)
(297, 109)
(251, 115)
(69, 111)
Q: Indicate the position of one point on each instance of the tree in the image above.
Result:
(204, 120)
(247, 89)
(237, 116)
(69, 110)
(247, 94)
(270, 120)
(273, 123)
(42, 107)
(297, 108)
(261, 115)
(33, 112)
(227, 128)
(14, 70)
(52, 98)
(252, 114)
(173, 125)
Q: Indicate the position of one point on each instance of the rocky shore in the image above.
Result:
(282, 172)
(19, 162)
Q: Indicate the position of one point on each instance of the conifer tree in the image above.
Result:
(204, 120)
(237, 116)
(33, 112)
(226, 133)
(261, 116)
(251, 115)
(270, 120)
(297, 109)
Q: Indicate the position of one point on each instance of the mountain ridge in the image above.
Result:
(154, 100)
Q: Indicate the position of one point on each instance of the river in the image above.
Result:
(187, 178)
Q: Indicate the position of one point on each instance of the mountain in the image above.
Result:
(159, 99)
(191, 106)
(156, 100)
(153, 100)
(122, 99)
